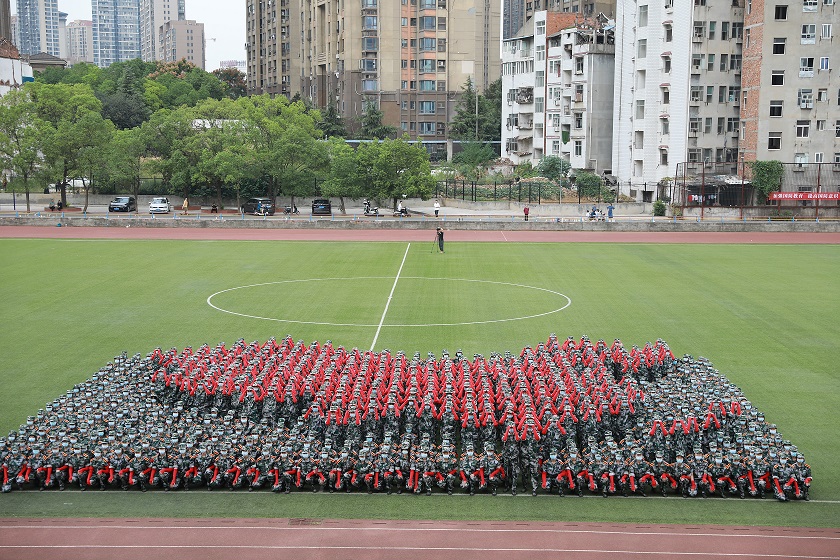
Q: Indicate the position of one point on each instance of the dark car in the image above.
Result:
(260, 206)
(123, 204)
(321, 207)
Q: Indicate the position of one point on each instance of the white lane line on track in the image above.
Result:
(504, 236)
(424, 530)
(702, 554)
(390, 296)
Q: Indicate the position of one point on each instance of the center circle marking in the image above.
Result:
(510, 319)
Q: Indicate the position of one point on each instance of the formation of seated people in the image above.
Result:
(564, 417)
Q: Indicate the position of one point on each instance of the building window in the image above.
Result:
(669, 32)
(643, 16)
(818, 157)
(826, 31)
(578, 147)
(642, 48)
(806, 67)
(427, 85)
(822, 95)
(837, 128)
(779, 45)
(805, 99)
(824, 63)
(578, 120)
(712, 25)
(640, 108)
(809, 5)
(781, 13)
(809, 34)
(803, 129)
(821, 125)
(777, 78)
(541, 27)
(774, 141)
(427, 23)
(427, 128)
(427, 107)
(441, 23)
(776, 108)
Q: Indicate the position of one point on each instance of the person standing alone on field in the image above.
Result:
(437, 208)
(526, 210)
(440, 240)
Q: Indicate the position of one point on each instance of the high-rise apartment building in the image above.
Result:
(6, 20)
(182, 39)
(790, 109)
(153, 15)
(677, 89)
(273, 43)
(62, 34)
(409, 57)
(79, 41)
(116, 31)
(15, 30)
(38, 22)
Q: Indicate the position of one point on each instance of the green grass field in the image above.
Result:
(765, 315)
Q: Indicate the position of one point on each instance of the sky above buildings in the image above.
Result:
(224, 25)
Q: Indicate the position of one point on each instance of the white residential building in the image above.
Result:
(579, 82)
(79, 41)
(677, 90)
(557, 78)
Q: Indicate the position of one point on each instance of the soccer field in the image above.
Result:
(765, 315)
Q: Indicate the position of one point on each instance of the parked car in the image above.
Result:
(258, 206)
(321, 207)
(123, 204)
(160, 205)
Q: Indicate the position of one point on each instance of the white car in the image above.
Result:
(160, 205)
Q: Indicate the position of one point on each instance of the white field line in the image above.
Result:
(390, 296)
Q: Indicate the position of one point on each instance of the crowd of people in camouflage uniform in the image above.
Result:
(564, 417)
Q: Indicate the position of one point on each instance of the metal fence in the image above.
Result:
(728, 185)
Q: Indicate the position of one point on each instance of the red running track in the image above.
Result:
(245, 234)
(223, 539)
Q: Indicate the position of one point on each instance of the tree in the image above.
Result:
(125, 110)
(94, 143)
(483, 110)
(233, 81)
(332, 125)
(398, 169)
(284, 138)
(371, 121)
(555, 168)
(467, 121)
(343, 179)
(588, 184)
(74, 115)
(766, 176)
(21, 135)
(491, 109)
(472, 160)
(125, 158)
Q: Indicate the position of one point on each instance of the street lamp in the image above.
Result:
(703, 188)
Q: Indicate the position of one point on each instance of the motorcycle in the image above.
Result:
(370, 210)
(291, 210)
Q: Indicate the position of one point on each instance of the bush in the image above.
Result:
(658, 208)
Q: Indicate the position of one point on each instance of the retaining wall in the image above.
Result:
(652, 225)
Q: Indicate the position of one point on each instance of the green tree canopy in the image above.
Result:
(372, 126)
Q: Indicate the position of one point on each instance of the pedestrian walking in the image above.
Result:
(185, 206)
(437, 208)
(526, 210)
(440, 239)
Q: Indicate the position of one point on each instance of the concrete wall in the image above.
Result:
(665, 225)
